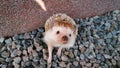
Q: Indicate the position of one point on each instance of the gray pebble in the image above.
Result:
(108, 41)
(110, 47)
(119, 38)
(14, 53)
(54, 64)
(82, 56)
(107, 25)
(113, 62)
(9, 59)
(1, 40)
(86, 44)
(71, 55)
(116, 11)
(62, 64)
(107, 56)
(75, 63)
(36, 59)
(90, 56)
(17, 59)
(88, 64)
(64, 58)
(99, 56)
(4, 66)
(28, 63)
(87, 52)
(5, 54)
(109, 35)
(75, 52)
(100, 41)
(8, 41)
(42, 61)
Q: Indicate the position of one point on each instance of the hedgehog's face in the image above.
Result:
(62, 35)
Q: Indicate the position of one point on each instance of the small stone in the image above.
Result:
(90, 56)
(93, 60)
(88, 64)
(75, 63)
(91, 45)
(80, 46)
(38, 47)
(23, 64)
(36, 59)
(1, 40)
(107, 56)
(95, 65)
(2, 60)
(83, 49)
(77, 58)
(99, 56)
(34, 53)
(16, 65)
(113, 62)
(75, 52)
(28, 63)
(8, 41)
(117, 11)
(100, 41)
(4, 66)
(87, 52)
(107, 26)
(71, 55)
(119, 38)
(42, 61)
(13, 45)
(86, 44)
(15, 53)
(27, 36)
(68, 65)
(62, 64)
(18, 47)
(108, 63)
(108, 41)
(5, 54)
(109, 35)
(8, 59)
(25, 58)
(82, 62)
(110, 47)
(82, 57)
(64, 58)
(96, 36)
(2, 49)
(17, 59)
(54, 64)
(30, 50)
(25, 52)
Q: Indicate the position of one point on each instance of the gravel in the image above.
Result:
(97, 46)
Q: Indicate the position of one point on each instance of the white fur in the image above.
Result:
(50, 37)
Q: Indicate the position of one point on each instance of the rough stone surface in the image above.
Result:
(19, 16)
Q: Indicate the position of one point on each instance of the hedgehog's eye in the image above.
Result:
(57, 32)
(70, 35)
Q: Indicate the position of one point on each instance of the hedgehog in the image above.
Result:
(60, 31)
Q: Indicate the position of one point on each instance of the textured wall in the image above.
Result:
(19, 16)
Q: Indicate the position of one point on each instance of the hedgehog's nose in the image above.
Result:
(65, 38)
